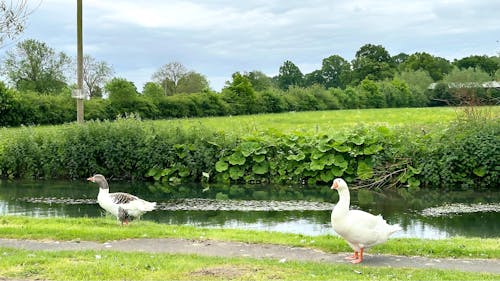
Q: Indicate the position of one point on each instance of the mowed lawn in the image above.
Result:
(322, 121)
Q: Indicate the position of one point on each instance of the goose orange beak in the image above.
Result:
(335, 185)
(91, 179)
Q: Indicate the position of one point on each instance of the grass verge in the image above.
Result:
(105, 229)
(109, 265)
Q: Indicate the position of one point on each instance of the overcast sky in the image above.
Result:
(217, 38)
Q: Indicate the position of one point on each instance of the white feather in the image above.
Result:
(135, 207)
(124, 204)
(360, 229)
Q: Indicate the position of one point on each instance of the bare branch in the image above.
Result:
(442, 100)
(382, 179)
(13, 16)
(169, 75)
(95, 75)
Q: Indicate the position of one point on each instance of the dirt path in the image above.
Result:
(238, 249)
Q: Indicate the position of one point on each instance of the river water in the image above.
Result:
(431, 214)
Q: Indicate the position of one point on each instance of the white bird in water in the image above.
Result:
(125, 207)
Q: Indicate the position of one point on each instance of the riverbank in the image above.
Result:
(227, 249)
(100, 249)
(381, 154)
(107, 229)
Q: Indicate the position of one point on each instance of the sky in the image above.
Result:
(220, 37)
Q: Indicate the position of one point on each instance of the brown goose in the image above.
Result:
(124, 206)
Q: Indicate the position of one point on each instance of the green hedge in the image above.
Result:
(465, 155)
(27, 108)
(123, 149)
(462, 155)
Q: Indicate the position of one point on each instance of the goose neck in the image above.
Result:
(103, 190)
(344, 201)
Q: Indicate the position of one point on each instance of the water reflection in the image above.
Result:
(76, 199)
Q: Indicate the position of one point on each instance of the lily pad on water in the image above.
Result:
(222, 204)
(460, 208)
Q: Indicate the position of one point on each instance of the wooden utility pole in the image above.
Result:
(79, 71)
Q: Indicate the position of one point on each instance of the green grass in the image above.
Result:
(109, 265)
(312, 121)
(104, 229)
(318, 121)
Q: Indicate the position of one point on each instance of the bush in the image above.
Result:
(122, 149)
(300, 158)
(9, 107)
(301, 99)
(209, 104)
(464, 155)
(271, 101)
(38, 109)
(98, 109)
(175, 107)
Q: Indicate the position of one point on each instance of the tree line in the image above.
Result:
(39, 91)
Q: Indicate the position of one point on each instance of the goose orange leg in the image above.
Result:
(359, 258)
(353, 257)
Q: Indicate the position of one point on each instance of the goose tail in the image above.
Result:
(147, 206)
(394, 228)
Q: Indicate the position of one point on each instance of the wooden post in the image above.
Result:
(79, 71)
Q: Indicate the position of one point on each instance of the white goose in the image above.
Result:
(360, 229)
(125, 207)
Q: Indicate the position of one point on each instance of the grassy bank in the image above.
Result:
(385, 147)
(103, 229)
(111, 265)
(97, 265)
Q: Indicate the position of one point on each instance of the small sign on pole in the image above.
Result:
(77, 94)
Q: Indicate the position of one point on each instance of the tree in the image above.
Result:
(13, 19)
(289, 75)
(34, 66)
(10, 114)
(95, 75)
(169, 75)
(121, 90)
(374, 97)
(259, 80)
(436, 67)
(487, 64)
(469, 75)
(192, 82)
(400, 58)
(397, 93)
(314, 78)
(124, 98)
(152, 90)
(418, 82)
(336, 72)
(240, 95)
(464, 87)
(418, 79)
(372, 62)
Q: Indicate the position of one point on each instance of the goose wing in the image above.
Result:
(122, 198)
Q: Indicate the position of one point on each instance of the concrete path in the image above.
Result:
(238, 249)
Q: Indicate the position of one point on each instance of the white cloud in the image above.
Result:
(220, 37)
